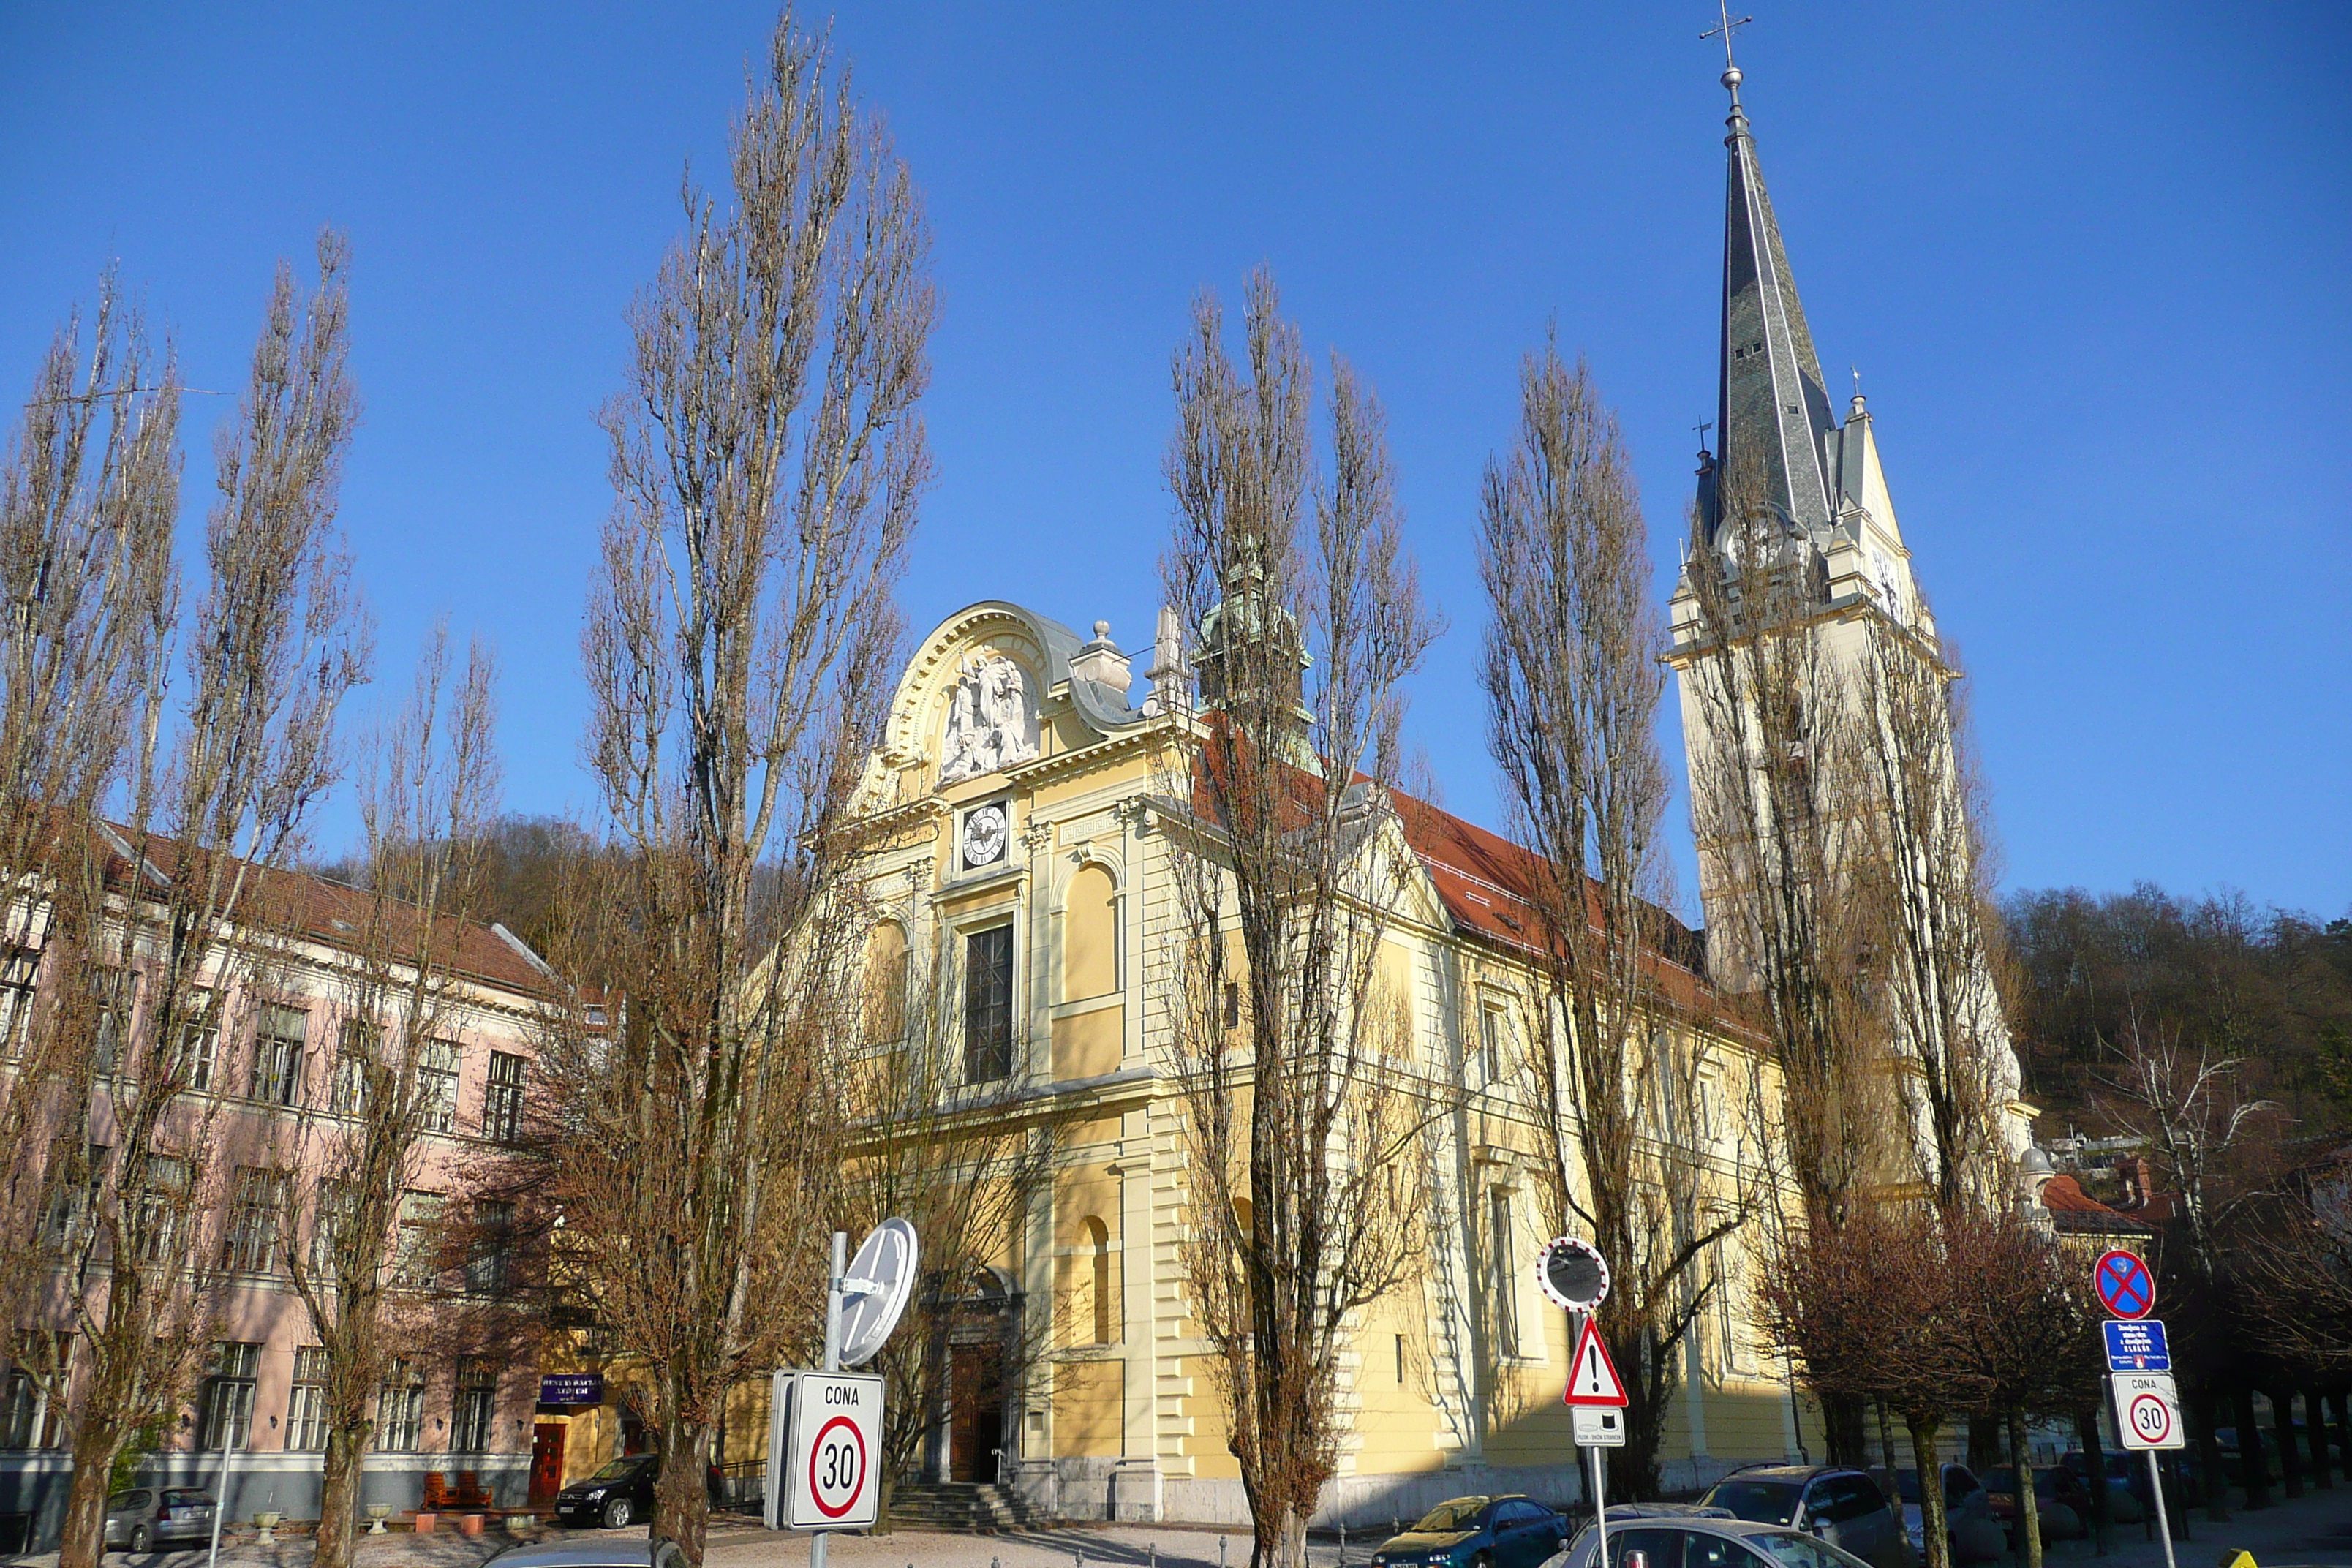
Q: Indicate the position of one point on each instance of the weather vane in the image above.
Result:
(1729, 27)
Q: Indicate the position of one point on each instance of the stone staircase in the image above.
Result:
(971, 1508)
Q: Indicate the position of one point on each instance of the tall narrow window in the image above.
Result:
(355, 1065)
(306, 1406)
(20, 1409)
(1506, 1281)
(420, 1239)
(163, 1209)
(110, 997)
(502, 1099)
(334, 1207)
(1100, 1299)
(988, 1005)
(1399, 1358)
(225, 1405)
(278, 1055)
(887, 966)
(200, 1040)
(249, 1244)
(475, 1405)
(1490, 1042)
(400, 1410)
(20, 970)
(436, 1085)
(492, 1242)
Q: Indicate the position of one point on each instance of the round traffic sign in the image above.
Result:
(2151, 1417)
(837, 1467)
(1573, 1273)
(2126, 1286)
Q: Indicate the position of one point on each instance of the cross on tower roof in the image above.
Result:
(1726, 29)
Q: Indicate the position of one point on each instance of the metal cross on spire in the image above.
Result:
(1725, 29)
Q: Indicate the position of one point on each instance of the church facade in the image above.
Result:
(1020, 800)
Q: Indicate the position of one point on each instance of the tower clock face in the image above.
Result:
(984, 836)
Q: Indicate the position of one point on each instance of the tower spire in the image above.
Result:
(1772, 410)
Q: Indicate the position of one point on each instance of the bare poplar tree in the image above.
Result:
(957, 1159)
(163, 917)
(1291, 1045)
(767, 457)
(89, 496)
(427, 798)
(1924, 854)
(1573, 682)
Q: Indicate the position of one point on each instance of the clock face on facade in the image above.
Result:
(984, 836)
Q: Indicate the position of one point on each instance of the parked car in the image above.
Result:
(2127, 1481)
(621, 1493)
(610, 1552)
(2054, 1513)
(1832, 1502)
(1478, 1533)
(1970, 1530)
(144, 1518)
(1702, 1539)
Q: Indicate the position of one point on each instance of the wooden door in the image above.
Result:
(546, 1461)
(976, 1415)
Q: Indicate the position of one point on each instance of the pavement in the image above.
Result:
(2313, 1530)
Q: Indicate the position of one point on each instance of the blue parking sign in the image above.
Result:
(2137, 1346)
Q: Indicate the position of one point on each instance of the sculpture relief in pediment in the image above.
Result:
(991, 719)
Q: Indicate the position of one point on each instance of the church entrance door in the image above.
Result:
(976, 1416)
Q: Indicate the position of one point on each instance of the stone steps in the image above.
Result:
(967, 1507)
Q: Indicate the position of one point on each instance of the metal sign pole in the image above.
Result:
(2163, 1520)
(1599, 1505)
(832, 1356)
(220, 1503)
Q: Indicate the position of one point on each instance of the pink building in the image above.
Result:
(268, 1090)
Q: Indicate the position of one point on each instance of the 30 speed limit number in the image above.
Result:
(2147, 1410)
(832, 1436)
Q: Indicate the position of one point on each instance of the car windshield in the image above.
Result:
(186, 1497)
(619, 1467)
(1462, 1513)
(1759, 1502)
(1906, 1485)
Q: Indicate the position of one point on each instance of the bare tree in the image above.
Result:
(1573, 682)
(1923, 853)
(767, 457)
(427, 798)
(89, 496)
(958, 1160)
(166, 916)
(1290, 1041)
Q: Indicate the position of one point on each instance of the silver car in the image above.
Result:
(1694, 1540)
(145, 1518)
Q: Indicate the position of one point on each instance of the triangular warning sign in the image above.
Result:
(1593, 1378)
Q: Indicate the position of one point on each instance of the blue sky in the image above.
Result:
(2090, 261)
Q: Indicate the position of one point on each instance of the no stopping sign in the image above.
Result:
(825, 1444)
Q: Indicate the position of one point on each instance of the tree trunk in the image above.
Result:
(1841, 1436)
(339, 1495)
(2290, 1451)
(2094, 1464)
(1290, 1546)
(681, 1493)
(2202, 1400)
(2253, 1469)
(1889, 1485)
(2029, 1507)
(2314, 1425)
(2344, 1429)
(95, 1446)
(1984, 1442)
(1934, 1546)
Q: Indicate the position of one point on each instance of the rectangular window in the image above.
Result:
(278, 1055)
(200, 1040)
(111, 995)
(1490, 1043)
(20, 971)
(502, 1099)
(400, 1410)
(475, 1405)
(493, 1241)
(225, 1405)
(1400, 1353)
(249, 1244)
(420, 1240)
(327, 1221)
(436, 1085)
(163, 1209)
(305, 1407)
(355, 1061)
(29, 1418)
(1506, 1279)
(988, 1005)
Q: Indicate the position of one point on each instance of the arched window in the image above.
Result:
(886, 984)
(1090, 935)
(1098, 1275)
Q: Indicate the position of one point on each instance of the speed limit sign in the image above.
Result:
(2147, 1410)
(826, 1442)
